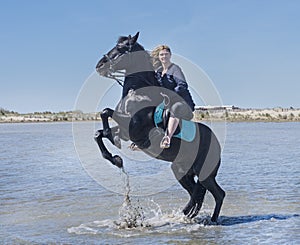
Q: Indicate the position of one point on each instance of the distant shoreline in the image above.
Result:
(229, 114)
(234, 114)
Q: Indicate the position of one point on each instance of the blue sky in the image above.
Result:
(250, 49)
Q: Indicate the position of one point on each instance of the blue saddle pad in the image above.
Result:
(187, 130)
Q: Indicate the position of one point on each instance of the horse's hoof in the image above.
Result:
(118, 161)
(192, 209)
(214, 220)
(187, 209)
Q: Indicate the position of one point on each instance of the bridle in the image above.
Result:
(116, 74)
(111, 73)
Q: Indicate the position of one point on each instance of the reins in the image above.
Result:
(116, 76)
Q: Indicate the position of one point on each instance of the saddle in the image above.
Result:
(186, 130)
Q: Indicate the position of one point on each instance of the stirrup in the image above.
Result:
(164, 145)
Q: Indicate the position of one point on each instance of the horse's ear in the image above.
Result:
(135, 38)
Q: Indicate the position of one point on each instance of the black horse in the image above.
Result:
(135, 115)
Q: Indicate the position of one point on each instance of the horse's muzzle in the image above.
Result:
(102, 72)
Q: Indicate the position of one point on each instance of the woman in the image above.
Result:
(170, 76)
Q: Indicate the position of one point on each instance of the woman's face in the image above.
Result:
(164, 56)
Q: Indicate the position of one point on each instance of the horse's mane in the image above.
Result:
(136, 46)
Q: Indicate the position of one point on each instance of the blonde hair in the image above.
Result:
(154, 55)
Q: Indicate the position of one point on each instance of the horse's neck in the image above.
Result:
(139, 61)
(139, 73)
(136, 81)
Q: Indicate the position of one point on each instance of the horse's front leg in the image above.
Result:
(115, 160)
(105, 114)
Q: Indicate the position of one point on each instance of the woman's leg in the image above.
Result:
(172, 126)
(177, 110)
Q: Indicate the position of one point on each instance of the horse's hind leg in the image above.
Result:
(195, 190)
(195, 204)
(218, 194)
(188, 183)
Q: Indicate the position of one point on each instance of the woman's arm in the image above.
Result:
(179, 79)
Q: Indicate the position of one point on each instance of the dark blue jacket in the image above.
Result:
(175, 81)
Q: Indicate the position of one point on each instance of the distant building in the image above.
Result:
(215, 108)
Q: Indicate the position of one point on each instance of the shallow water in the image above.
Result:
(48, 195)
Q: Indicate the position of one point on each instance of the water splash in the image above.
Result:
(131, 216)
(135, 220)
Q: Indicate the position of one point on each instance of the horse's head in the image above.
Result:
(117, 58)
